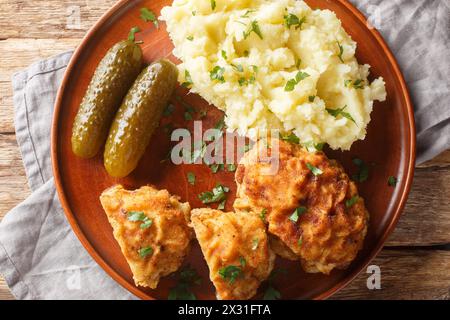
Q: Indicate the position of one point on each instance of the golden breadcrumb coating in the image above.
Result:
(332, 219)
(151, 227)
(234, 242)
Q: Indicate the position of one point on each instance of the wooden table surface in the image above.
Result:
(415, 262)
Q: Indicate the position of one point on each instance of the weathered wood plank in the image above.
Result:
(49, 19)
(5, 293)
(16, 55)
(405, 274)
(13, 183)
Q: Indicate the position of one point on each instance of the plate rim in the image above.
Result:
(135, 290)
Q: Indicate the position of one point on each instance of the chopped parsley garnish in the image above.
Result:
(313, 147)
(315, 171)
(231, 167)
(392, 181)
(194, 13)
(247, 13)
(255, 244)
(190, 38)
(188, 116)
(149, 16)
(298, 63)
(297, 213)
(311, 98)
(230, 273)
(291, 138)
(135, 216)
(199, 152)
(187, 278)
(293, 20)
(169, 110)
(238, 67)
(213, 4)
(271, 293)
(290, 85)
(242, 261)
(132, 34)
(357, 84)
(220, 125)
(246, 53)
(300, 241)
(224, 55)
(340, 112)
(188, 79)
(146, 251)
(341, 51)
(216, 167)
(363, 171)
(254, 27)
(263, 214)
(203, 113)
(218, 194)
(191, 178)
(221, 205)
(351, 202)
(217, 74)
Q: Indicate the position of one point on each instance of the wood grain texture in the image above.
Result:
(50, 19)
(16, 55)
(405, 274)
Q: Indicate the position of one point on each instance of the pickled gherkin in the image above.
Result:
(113, 77)
(138, 117)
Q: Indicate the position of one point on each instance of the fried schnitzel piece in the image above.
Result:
(236, 249)
(311, 206)
(151, 227)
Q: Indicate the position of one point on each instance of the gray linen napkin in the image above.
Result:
(40, 256)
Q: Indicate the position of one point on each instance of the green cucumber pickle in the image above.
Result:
(113, 77)
(138, 117)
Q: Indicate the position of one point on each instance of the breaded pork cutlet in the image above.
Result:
(312, 208)
(151, 227)
(236, 249)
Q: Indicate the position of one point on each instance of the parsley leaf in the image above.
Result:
(221, 205)
(188, 79)
(292, 20)
(291, 138)
(213, 4)
(253, 27)
(169, 110)
(392, 181)
(149, 16)
(351, 202)
(230, 273)
(190, 38)
(187, 278)
(340, 112)
(357, 84)
(146, 251)
(217, 74)
(290, 85)
(231, 167)
(216, 167)
(191, 178)
(315, 171)
(242, 261)
(263, 214)
(272, 294)
(132, 34)
(135, 216)
(224, 55)
(341, 51)
(297, 213)
(218, 194)
(255, 244)
(311, 98)
(363, 172)
(220, 125)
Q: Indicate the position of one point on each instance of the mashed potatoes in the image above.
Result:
(274, 64)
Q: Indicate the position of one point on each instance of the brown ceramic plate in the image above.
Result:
(389, 149)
